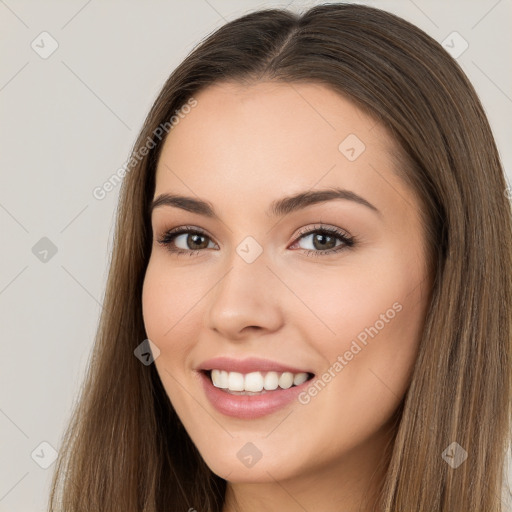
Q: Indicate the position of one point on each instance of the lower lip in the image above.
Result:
(249, 406)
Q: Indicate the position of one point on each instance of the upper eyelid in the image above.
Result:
(320, 226)
(317, 226)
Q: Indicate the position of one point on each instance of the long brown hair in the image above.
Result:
(126, 450)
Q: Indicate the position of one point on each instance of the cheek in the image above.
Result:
(168, 310)
(367, 324)
(378, 295)
(378, 320)
(165, 303)
(169, 299)
(339, 303)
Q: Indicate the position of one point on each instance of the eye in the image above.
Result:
(323, 240)
(190, 240)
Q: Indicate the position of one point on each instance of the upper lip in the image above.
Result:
(248, 365)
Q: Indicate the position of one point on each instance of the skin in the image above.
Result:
(241, 148)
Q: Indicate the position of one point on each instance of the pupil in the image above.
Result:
(194, 238)
(321, 237)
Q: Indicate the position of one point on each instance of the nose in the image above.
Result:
(247, 298)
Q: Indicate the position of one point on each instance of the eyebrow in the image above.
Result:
(278, 208)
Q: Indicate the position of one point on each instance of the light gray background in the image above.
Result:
(67, 124)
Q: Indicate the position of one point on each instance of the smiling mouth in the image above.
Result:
(255, 383)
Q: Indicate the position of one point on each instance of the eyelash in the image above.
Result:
(348, 241)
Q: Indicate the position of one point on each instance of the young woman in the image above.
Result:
(308, 306)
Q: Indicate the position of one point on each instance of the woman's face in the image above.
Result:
(263, 288)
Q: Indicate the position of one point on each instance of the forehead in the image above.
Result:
(260, 140)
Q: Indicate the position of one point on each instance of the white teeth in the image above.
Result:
(235, 381)
(286, 380)
(255, 381)
(299, 378)
(220, 378)
(271, 381)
